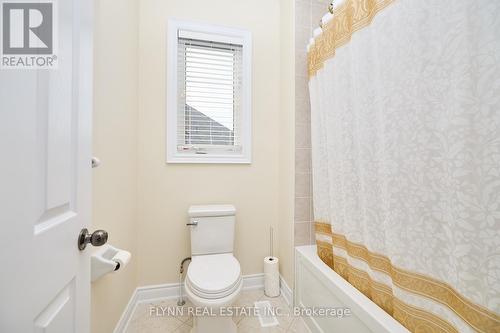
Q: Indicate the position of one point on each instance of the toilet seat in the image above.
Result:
(213, 276)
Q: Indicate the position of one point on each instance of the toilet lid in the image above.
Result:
(213, 275)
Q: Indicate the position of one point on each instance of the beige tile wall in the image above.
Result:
(307, 16)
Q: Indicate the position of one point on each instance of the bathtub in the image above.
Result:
(318, 286)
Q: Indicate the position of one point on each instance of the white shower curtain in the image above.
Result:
(405, 99)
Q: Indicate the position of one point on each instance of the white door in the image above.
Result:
(45, 177)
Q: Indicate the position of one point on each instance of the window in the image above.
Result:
(209, 86)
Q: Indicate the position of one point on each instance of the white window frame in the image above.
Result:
(222, 34)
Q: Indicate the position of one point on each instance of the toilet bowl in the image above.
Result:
(213, 281)
(213, 278)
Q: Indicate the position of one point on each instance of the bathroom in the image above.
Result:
(353, 185)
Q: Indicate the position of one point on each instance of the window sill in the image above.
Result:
(204, 159)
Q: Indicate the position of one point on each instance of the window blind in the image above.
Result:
(210, 103)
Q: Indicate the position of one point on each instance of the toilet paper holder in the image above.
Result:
(106, 260)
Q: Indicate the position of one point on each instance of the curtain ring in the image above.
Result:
(330, 7)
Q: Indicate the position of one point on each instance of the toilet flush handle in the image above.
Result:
(194, 223)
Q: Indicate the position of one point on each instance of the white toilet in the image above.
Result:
(213, 277)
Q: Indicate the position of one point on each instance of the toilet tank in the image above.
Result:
(213, 229)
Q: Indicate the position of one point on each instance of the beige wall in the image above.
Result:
(115, 143)
(167, 190)
(141, 200)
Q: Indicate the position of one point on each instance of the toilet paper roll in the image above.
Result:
(271, 277)
(122, 258)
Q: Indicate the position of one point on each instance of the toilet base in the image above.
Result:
(213, 325)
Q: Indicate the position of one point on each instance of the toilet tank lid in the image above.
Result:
(211, 210)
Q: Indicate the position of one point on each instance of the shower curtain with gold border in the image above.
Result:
(405, 99)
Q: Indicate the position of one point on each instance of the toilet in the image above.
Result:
(213, 278)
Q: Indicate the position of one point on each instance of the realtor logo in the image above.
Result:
(28, 34)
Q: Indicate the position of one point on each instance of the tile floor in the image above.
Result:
(142, 322)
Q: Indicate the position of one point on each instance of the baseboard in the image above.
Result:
(286, 291)
(253, 281)
(122, 325)
(155, 293)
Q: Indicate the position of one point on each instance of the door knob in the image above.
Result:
(95, 162)
(97, 238)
